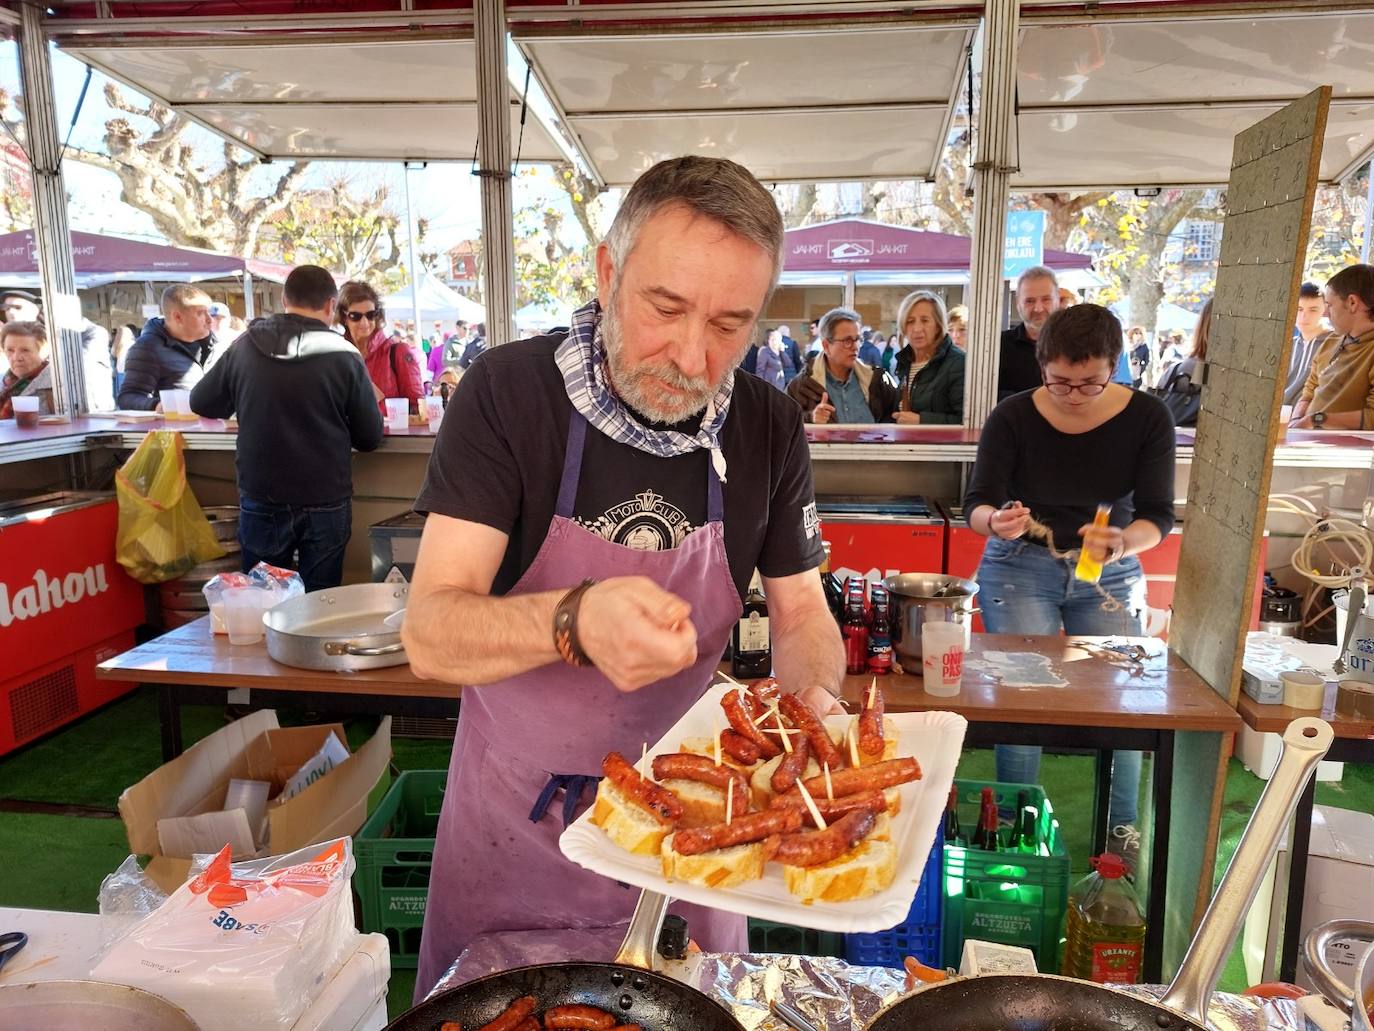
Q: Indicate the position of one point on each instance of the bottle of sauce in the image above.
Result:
(855, 628)
(880, 632)
(1106, 926)
(752, 652)
(985, 837)
(1089, 570)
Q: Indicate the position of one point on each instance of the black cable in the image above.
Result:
(524, 110)
(80, 103)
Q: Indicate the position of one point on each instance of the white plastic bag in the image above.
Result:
(280, 584)
(246, 944)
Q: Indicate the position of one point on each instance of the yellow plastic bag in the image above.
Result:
(162, 530)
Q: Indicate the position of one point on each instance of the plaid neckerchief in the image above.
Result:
(581, 357)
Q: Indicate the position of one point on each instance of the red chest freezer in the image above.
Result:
(876, 537)
(65, 605)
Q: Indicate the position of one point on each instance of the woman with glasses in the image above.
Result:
(1046, 459)
(391, 362)
(929, 369)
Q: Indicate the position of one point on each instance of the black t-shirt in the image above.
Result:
(499, 456)
(1062, 477)
(1017, 367)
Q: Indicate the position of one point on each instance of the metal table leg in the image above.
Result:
(169, 717)
(1161, 794)
(1297, 881)
(1102, 796)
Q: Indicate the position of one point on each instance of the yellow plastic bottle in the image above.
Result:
(1089, 570)
(1106, 929)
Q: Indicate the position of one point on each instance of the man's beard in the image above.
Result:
(634, 385)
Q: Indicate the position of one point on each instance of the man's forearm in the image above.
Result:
(1299, 410)
(808, 652)
(464, 638)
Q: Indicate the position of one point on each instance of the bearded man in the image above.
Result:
(597, 504)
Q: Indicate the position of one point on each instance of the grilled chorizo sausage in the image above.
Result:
(742, 830)
(812, 848)
(655, 798)
(804, 718)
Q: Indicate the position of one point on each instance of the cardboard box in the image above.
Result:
(174, 812)
(1339, 883)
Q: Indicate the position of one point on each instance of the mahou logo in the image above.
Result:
(50, 592)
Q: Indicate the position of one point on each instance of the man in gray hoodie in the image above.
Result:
(304, 402)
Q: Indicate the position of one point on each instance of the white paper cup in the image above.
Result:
(942, 662)
(25, 412)
(434, 409)
(397, 413)
(243, 608)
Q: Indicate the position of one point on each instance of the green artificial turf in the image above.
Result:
(58, 861)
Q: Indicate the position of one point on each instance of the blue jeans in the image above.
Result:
(1025, 590)
(308, 538)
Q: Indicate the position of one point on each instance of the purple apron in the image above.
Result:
(520, 741)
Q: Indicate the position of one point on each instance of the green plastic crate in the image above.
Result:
(766, 936)
(1008, 897)
(393, 854)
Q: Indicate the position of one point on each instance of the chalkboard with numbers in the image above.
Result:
(1268, 214)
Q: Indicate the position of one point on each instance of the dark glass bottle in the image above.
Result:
(1023, 828)
(986, 836)
(855, 628)
(752, 652)
(830, 583)
(880, 632)
(953, 834)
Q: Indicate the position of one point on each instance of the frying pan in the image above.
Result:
(1359, 1002)
(1044, 1002)
(626, 987)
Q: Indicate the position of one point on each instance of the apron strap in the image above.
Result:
(572, 464)
(715, 503)
(573, 786)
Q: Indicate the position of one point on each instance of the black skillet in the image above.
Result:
(627, 988)
(1042, 1002)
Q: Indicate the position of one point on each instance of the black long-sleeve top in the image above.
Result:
(1062, 477)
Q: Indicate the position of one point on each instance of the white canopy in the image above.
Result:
(438, 300)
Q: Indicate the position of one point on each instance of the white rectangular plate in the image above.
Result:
(935, 739)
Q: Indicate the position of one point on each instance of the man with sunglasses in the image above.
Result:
(836, 387)
(1047, 458)
(304, 403)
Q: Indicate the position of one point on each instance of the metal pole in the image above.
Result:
(493, 156)
(1368, 216)
(414, 265)
(249, 308)
(61, 305)
(991, 189)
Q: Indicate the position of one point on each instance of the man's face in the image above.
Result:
(17, 309)
(679, 314)
(189, 323)
(842, 346)
(1310, 311)
(1036, 300)
(1342, 312)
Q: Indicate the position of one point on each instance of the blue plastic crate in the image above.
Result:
(918, 935)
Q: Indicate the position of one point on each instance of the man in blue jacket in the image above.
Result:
(304, 402)
(172, 352)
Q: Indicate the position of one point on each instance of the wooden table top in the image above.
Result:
(1274, 719)
(191, 655)
(1161, 693)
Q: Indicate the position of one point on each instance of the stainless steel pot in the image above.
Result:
(339, 628)
(1359, 1001)
(918, 597)
(82, 1005)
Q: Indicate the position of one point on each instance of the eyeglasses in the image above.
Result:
(372, 316)
(1065, 389)
(846, 341)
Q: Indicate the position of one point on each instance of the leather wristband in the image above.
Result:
(565, 626)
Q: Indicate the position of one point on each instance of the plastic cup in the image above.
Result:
(182, 400)
(397, 413)
(25, 412)
(434, 409)
(169, 403)
(243, 608)
(942, 658)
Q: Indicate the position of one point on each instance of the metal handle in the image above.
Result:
(1353, 611)
(791, 1017)
(637, 950)
(1305, 742)
(1314, 956)
(349, 648)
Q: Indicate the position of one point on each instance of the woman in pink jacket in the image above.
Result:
(391, 362)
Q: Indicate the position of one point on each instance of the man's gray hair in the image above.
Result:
(916, 297)
(833, 316)
(715, 188)
(1037, 272)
